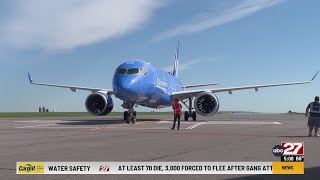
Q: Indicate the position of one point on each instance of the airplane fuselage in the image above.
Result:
(140, 82)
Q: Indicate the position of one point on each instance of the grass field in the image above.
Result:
(67, 114)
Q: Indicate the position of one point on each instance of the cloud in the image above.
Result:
(67, 24)
(187, 65)
(211, 19)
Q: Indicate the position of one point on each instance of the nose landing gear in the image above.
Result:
(130, 115)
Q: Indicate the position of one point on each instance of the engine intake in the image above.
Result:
(99, 104)
(206, 104)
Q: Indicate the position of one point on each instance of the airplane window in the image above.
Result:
(133, 71)
(121, 71)
(143, 71)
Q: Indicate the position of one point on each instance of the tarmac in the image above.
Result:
(222, 137)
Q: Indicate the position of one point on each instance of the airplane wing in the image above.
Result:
(192, 93)
(72, 88)
(200, 85)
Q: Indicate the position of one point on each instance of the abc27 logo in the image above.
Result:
(289, 151)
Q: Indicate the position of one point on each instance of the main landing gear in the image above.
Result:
(190, 113)
(130, 115)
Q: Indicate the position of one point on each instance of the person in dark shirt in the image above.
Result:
(313, 110)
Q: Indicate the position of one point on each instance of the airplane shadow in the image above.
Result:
(309, 173)
(102, 122)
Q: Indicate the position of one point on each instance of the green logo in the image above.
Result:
(27, 168)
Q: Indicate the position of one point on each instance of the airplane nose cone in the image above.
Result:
(128, 85)
(124, 83)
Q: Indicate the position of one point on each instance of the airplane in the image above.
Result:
(137, 82)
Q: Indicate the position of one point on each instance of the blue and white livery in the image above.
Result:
(137, 82)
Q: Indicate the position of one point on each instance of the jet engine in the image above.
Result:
(99, 104)
(206, 104)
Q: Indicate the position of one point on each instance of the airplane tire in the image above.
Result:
(126, 117)
(194, 116)
(186, 115)
(133, 119)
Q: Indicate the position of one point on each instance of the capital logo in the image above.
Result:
(27, 168)
(30, 168)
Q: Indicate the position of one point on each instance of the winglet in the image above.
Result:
(315, 76)
(30, 78)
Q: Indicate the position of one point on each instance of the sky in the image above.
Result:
(232, 42)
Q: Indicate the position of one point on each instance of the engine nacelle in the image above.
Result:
(206, 104)
(99, 104)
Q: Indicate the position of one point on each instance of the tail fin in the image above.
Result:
(176, 61)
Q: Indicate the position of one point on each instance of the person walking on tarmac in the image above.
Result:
(177, 113)
(313, 109)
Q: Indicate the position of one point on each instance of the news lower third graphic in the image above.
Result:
(291, 162)
(163, 168)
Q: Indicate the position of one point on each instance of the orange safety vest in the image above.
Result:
(177, 108)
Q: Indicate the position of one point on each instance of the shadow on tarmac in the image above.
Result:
(309, 173)
(102, 122)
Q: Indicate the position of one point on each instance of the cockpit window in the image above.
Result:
(133, 71)
(121, 71)
(143, 71)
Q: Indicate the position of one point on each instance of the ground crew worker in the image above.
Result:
(313, 109)
(177, 113)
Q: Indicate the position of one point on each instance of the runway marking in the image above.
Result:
(146, 128)
(116, 126)
(41, 125)
(241, 122)
(196, 125)
(163, 122)
(58, 127)
(182, 122)
(42, 121)
(139, 122)
(191, 125)
(226, 122)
